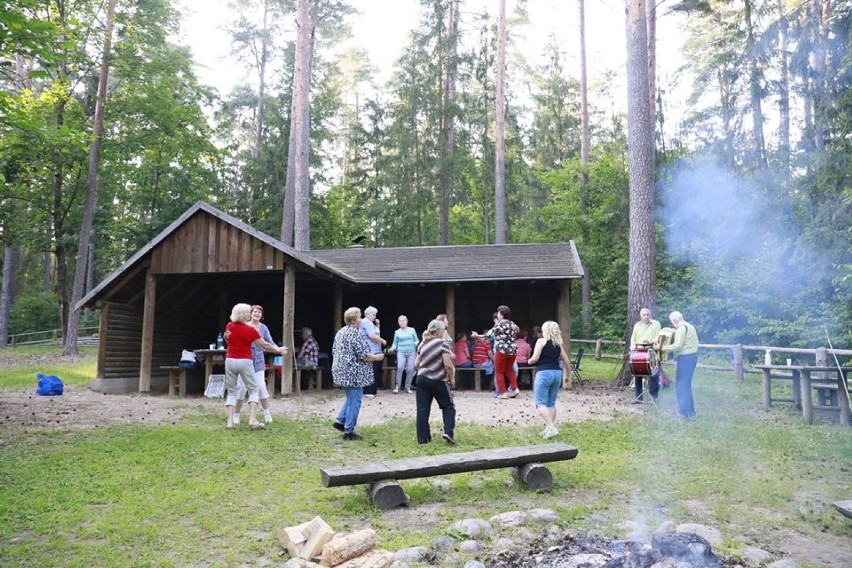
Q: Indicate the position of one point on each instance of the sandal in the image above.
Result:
(257, 426)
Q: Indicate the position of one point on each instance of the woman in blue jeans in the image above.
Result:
(547, 354)
(351, 369)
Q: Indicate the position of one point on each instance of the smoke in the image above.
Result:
(710, 215)
(730, 258)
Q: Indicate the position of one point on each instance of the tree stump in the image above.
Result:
(387, 494)
(534, 476)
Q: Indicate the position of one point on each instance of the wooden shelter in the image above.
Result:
(177, 292)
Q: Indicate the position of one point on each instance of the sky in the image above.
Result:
(382, 28)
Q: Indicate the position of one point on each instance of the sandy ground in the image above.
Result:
(83, 408)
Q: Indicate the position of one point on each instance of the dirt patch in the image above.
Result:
(83, 408)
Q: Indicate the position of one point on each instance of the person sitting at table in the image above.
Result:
(259, 362)
(239, 362)
(309, 353)
(462, 350)
(483, 356)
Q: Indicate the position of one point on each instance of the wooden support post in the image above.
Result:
(337, 316)
(739, 372)
(103, 337)
(767, 389)
(147, 331)
(563, 315)
(387, 494)
(534, 476)
(598, 349)
(451, 310)
(289, 322)
(822, 361)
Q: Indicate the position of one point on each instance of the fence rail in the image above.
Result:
(735, 353)
(86, 336)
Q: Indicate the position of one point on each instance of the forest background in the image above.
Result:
(753, 194)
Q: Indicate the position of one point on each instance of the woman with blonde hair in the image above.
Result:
(239, 363)
(351, 370)
(548, 375)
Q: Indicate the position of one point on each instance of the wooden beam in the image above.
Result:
(103, 336)
(147, 332)
(563, 313)
(289, 323)
(426, 466)
(337, 316)
(451, 309)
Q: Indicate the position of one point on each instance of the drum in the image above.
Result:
(643, 362)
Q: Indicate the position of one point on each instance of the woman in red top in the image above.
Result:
(239, 364)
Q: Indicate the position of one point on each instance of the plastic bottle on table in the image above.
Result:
(220, 341)
(767, 357)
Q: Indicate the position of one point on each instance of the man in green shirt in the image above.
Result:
(645, 332)
(684, 349)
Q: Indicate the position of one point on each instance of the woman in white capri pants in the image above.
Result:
(239, 364)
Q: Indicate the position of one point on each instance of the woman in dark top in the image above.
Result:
(548, 374)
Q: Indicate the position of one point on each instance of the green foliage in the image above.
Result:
(34, 312)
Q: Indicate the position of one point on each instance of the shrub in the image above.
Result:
(34, 312)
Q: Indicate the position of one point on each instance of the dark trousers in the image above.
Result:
(377, 378)
(653, 385)
(683, 384)
(427, 390)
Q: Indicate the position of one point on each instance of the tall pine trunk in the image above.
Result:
(261, 89)
(755, 89)
(784, 90)
(641, 282)
(500, 133)
(295, 223)
(80, 271)
(447, 113)
(584, 168)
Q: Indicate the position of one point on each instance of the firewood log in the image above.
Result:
(342, 548)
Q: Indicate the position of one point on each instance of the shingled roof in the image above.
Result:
(462, 263)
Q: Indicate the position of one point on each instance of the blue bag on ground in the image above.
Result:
(49, 385)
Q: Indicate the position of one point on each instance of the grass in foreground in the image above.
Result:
(194, 494)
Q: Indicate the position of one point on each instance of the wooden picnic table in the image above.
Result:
(804, 383)
(211, 357)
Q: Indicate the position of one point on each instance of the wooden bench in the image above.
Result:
(827, 395)
(177, 378)
(386, 493)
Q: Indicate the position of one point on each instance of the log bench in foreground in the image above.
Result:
(386, 493)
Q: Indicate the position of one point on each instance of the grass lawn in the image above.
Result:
(194, 494)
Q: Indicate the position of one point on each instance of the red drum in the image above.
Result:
(643, 362)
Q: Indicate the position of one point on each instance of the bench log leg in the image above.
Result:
(177, 378)
(534, 476)
(477, 380)
(387, 494)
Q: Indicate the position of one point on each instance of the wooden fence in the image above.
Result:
(85, 335)
(739, 356)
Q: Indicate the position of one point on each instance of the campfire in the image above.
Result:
(667, 549)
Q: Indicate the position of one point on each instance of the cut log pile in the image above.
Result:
(315, 544)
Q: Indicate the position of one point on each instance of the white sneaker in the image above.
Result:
(550, 433)
(267, 416)
(369, 396)
(236, 418)
(395, 391)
